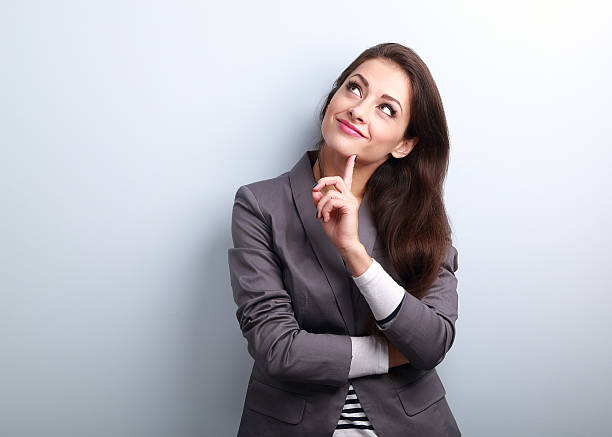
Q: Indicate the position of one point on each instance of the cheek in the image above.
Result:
(331, 108)
(383, 132)
(330, 115)
(338, 103)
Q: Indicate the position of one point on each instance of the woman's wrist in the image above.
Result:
(356, 258)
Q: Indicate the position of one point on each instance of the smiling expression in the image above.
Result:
(375, 100)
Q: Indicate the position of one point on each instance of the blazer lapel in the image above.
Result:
(301, 180)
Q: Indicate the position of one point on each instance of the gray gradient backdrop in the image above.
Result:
(126, 128)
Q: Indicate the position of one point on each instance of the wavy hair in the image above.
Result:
(405, 195)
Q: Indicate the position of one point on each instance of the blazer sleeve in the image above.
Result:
(265, 312)
(424, 330)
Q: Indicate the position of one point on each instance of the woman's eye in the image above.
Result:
(352, 85)
(391, 110)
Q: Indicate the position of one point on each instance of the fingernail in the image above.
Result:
(315, 184)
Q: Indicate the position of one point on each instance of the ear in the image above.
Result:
(404, 148)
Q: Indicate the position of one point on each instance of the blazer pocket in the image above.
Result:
(422, 393)
(274, 402)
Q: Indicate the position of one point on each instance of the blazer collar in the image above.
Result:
(301, 179)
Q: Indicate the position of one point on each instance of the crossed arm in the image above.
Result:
(373, 354)
(421, 330)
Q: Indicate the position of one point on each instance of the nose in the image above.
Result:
(356, 114)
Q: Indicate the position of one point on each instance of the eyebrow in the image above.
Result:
(387, 96)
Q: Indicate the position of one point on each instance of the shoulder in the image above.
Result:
(269, 195)
(269, 188)
(450, 262)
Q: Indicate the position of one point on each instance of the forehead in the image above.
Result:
(385, 77)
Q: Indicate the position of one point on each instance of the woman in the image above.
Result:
(346, 291)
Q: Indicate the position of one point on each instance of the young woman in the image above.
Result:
(343, 269)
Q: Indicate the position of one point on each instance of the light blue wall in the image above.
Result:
(126, 128)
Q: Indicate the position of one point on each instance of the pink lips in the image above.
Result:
(348, 130)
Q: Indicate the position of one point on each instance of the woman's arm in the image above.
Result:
(383, 297)
(265, 311)
(423, 330)
(374, 355)
(370, 356)
(370, 352)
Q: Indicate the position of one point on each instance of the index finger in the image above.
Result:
(348, 171)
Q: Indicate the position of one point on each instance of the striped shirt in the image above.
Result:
(353, 420)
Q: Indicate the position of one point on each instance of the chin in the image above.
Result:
(343, 150)
(339, 144)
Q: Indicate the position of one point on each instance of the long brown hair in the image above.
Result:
(406, 195)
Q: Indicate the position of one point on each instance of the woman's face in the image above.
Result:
(382, 121)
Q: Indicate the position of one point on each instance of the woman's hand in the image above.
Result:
(338, 210)
(395, 356)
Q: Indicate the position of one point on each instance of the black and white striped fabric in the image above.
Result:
(353, 421)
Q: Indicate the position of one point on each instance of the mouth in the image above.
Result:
(349, 128)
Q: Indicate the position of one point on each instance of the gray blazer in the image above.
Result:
(298, 305)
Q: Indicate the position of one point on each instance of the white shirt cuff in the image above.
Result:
(370, 356)
(380, 290)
